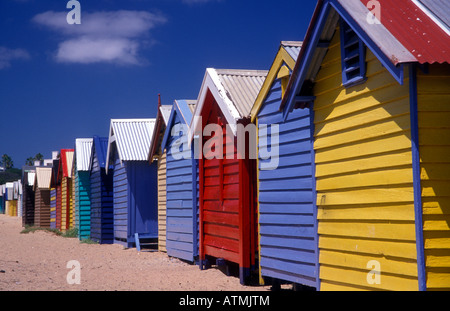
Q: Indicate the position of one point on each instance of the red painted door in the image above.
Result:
(227, 205)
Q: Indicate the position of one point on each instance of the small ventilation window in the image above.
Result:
(353, 56)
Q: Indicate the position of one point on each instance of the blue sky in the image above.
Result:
(59, 82)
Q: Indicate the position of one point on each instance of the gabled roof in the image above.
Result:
(395, 41)
(43, 177)
(421, 26)
(132, 138)
(292, 48)
(100, 145)
(235, 92)
(66, 162)
(162, 117)
(182, 108)
(287, 54)
(165, 112)
(83, 150)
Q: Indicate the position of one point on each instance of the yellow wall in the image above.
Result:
(434, 148)
(364, 178)
(52, 209)
(70, 202)
(162, 203)
(64, 204)
(11, 208)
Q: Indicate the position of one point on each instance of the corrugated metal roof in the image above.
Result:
(405, 35)
(132, 137)
(43, 177)
(439, 8)
(83, 149)
(242, 87)
(412, 24)
(292, 47)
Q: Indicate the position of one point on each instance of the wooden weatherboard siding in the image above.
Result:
(433, 97)
(28, 202)
(181, 200)
(227, 204)
(135, 200)
(65, 207)
(42, 208)
(82, 183)
(53, 208)
(58, 206)
(365, 201)
(162, 203)
(102, 220)
(288, 239)
(120, 195)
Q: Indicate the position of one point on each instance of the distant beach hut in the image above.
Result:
(82, 186)
(11, 201)
(65, 171)
(2, 200)
(42, 197)
(28, 179)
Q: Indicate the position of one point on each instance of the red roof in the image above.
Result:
(415, 30)
(66, 162)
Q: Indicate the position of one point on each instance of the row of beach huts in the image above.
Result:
(349, 191)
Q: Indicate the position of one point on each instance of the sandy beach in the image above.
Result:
(37, 261)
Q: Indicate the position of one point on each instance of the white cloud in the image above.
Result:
(86, 50)
(113, 37)
(7, 55)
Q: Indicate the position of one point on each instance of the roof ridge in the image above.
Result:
(241, 72)
(292, 43)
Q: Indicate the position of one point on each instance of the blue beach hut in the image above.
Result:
(181, 184)
(287, 225)
(134, 179)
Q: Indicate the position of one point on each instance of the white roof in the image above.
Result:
(165, 112)
(234, 90)
(132, 137)
(83, 149)
(43, 177)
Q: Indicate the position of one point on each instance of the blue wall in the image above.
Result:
(53, 208)
(102, 220)
(83, 203)
(288, 235)
(135, 200)
(120, 202)
(181, 201)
